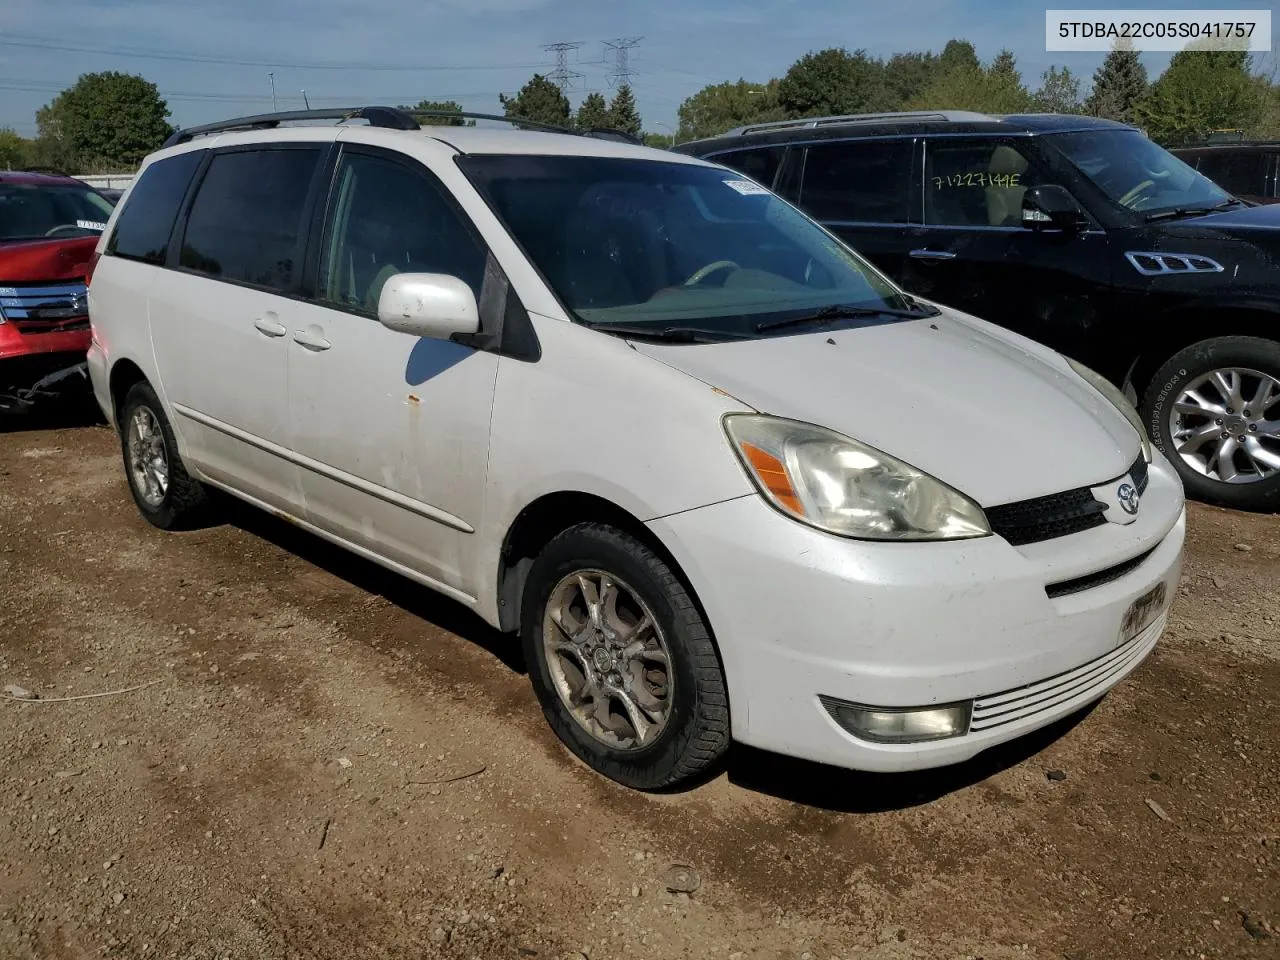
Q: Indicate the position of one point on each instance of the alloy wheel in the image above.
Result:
(148, 457)
(1226, 425)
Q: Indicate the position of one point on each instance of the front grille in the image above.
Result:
(1058, 514)
(46, 308)
(1021, 703)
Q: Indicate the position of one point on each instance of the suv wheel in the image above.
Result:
(163, 490)
(1214, 410)
(622, 661)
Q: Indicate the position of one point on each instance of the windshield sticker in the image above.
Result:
(90, 225)
(746, 188)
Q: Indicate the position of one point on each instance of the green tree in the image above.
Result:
(1201, 90)
(833, 81)
(106, 121)
(450, 106)
(13, 149)
(539, 100)
(906, 75)
(968, 86)
(1118, 84)
(1059, 92)
(593, 113)
(623, 113)
(957, 54)
(723, 106)
(1268, 125)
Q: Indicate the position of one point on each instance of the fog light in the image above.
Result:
(899, 724)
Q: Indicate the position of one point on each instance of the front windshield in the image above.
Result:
(663, 243)
(1137, 173)
(30, 211)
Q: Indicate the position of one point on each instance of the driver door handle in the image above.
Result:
(926, 254)
(269, 325)
(311, 338)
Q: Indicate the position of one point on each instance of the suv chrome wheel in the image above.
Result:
(148, 456)
(1225, 425)
(608, 659)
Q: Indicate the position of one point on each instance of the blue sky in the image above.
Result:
(470, 50)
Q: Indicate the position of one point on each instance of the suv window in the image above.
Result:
(142, 230)
(976, 183)
(761, 165)
(868, 181)
(246, 222)
(1239, 171)
(387, 218)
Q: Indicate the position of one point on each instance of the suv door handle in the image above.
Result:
(926, 254)
(311, 338)
(269, 325)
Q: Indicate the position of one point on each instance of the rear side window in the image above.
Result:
(1237, 171)
(760, 165)
(246, 223)
(142, 230)
(866, 181)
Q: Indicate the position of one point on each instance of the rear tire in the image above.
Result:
(1235, 434)
(661, 713)
(166, 495)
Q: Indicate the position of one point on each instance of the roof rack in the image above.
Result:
(939, 116)
(391, 118)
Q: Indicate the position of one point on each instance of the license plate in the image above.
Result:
(1143, 612)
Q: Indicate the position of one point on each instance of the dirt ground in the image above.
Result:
(329, 762)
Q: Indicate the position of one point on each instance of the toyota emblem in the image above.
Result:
(1128, 497)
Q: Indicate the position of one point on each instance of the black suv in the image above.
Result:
(1080, 233)
(1250, 169)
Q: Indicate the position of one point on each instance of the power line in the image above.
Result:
(562, 76)
(621, 73)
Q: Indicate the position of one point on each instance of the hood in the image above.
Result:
(36, 261)
(995, 416)
(1262, 217)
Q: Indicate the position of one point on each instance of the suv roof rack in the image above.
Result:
(939, 116)
(391, 118)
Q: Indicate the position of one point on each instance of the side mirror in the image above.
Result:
(428, 305)
(1049, 205)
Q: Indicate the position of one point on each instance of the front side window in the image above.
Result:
(976, 183)
(387, 218)
(1136, 173)
(246, 223)
(863, 181)
(142, 230)
(760, 164)
(32, 210)
(665, 243)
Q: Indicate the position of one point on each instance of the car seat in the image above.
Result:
(1004, 199)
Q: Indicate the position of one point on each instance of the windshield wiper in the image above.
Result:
(839, 311)
(670, 334)
(1191, 211)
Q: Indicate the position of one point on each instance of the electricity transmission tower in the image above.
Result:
(562, 76)
(621, 74)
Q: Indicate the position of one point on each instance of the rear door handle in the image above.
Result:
(926, 254)
(312, 338)
(269, 325)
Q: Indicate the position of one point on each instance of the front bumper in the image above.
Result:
(799, 614)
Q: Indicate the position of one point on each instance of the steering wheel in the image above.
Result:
(62, 227)
(1136, 192)
(704, 272)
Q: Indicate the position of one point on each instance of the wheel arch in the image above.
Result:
(1181, 328)
(124, 374)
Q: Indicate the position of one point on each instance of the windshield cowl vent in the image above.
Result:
(1161, 264)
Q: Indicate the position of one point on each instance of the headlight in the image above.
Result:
(847, 488)
(1113, 393)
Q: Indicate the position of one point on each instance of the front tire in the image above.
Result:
(1214, 410)
(166, 495)
(621, 660)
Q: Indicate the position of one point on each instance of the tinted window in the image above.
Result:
(975, 183)
(1238, 171)
(246, 222)
(142, 230)
(386, 219)
(760, 165)
(34, 209)
(858, 181)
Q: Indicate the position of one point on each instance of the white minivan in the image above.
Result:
(723, 478)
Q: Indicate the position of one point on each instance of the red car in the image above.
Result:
(49, 225)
